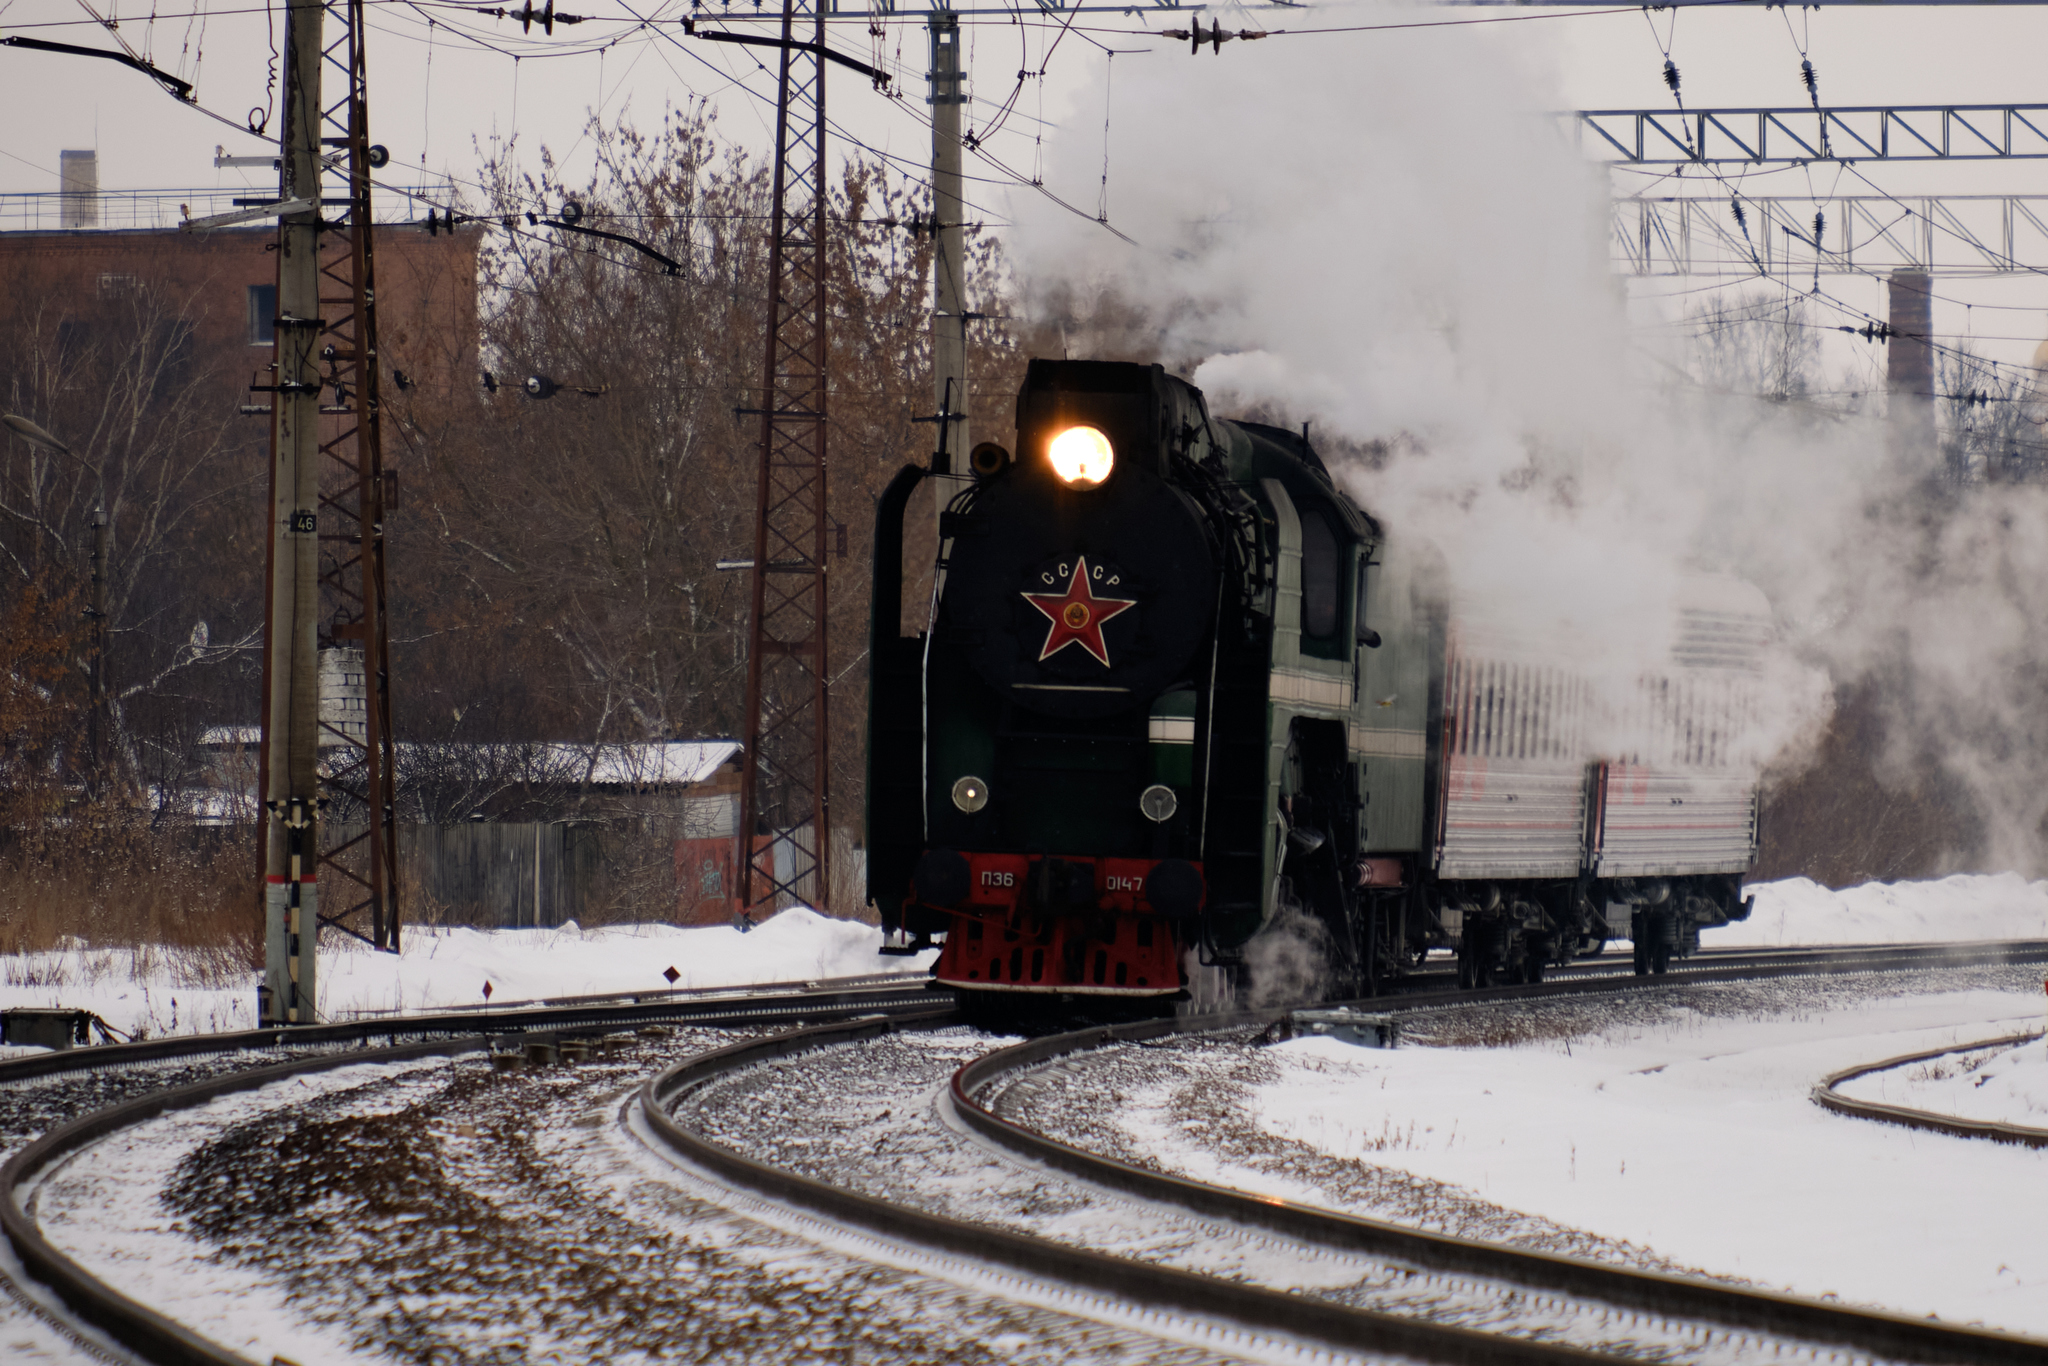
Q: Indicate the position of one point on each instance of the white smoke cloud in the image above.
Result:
(1382, 233)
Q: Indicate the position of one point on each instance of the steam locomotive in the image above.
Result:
(1177, 693)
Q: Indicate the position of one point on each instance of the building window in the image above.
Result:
(262, 315)
(114, 286)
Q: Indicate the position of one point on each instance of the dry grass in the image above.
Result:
(184, 897)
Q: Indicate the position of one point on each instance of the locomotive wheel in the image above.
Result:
(1476, 958)
(1642, 952)
(1532, 970)
(1464, 968)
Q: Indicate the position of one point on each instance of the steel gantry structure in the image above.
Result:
(1857, 234)
(1847, 133)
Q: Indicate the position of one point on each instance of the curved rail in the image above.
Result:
(153, 1335)
(134, 1324)
(1825, 1096)
(722, 1004)
(1889, 1335)
(1146, 1284)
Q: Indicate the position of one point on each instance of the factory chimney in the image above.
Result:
(80, 175)
(1909, 366)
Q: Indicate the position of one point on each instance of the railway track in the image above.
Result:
(248, 1061)
(132, 1094)
(1827, 1096)
(1684, 1318)
(1673, 1299)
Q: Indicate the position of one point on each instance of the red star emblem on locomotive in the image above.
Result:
(1077, 615)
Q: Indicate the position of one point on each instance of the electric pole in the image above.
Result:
(291, 720)
(949, 262)
(783, 786)
(326, 600)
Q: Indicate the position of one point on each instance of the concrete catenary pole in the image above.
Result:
(949, 262)
(291, 783)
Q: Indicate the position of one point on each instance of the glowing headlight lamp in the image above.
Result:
(1081, 457)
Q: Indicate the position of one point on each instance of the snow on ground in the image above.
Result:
(1799, 911)
(1697, 1138)
(164, 992)
(2007, 1085)
(159, 991)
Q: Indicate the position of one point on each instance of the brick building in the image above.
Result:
(137, 345)
(224, 285)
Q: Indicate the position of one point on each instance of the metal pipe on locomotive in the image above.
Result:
(1177, 690)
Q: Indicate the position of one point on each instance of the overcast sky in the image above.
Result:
(442, 90)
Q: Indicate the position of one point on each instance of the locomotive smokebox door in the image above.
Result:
(1083, 586)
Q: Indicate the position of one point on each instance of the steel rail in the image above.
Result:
(1736, 966)
(636, 995)
(1143, 1284)
(821, 997)
(1828, 1098)
(1889, 1335)
(154, 1335)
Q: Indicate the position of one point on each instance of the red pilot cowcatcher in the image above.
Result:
(1077, 615)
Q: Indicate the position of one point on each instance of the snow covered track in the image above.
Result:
(1672, 1298)
(1825, 1095)
(1161, 1290)
(1288, 1304)
(156, 1337)
(227, 1064)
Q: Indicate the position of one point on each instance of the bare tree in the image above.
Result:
(1762, 344)
(580, 533)
(149, 449)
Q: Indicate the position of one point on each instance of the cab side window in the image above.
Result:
(1363, 627)
(1322, 586)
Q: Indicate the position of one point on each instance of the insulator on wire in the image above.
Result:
(1741, 218)
(1812, 81)
(1820, 225)
(1216, 37)
(1671, 74)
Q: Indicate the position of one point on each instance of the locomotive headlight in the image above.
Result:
(1081, 457)
(970, 794)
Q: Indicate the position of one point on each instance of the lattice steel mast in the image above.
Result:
(783, 789)
(362, 850)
